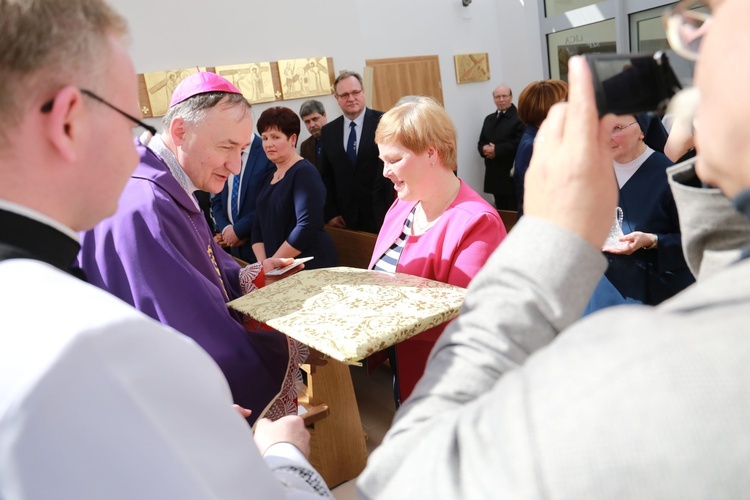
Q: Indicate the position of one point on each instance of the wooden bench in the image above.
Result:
(354, 248)
(509, 217)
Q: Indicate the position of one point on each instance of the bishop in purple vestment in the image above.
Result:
(158, 254)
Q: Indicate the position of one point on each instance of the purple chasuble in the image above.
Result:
(157, 253)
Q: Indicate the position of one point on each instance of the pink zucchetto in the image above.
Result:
(201, 83)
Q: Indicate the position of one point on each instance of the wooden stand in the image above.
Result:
(337, 442)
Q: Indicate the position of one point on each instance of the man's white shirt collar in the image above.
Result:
(360, 120)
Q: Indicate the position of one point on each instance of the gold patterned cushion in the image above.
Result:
(350, 313)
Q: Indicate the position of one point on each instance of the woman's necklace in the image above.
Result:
(278, 175)
(281, 170)
(421, 224)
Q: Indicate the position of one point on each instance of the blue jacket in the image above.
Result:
(523, 158)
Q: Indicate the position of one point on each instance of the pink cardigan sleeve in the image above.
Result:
(481, 237)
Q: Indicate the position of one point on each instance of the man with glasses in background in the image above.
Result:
(498, 142)
(96, 399)
(358, 196)
(631, 402)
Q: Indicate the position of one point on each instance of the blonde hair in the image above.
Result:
(47, 44)
(418, 123)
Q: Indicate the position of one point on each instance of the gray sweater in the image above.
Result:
(632, 402)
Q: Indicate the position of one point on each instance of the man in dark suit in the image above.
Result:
(498, 142)
(313, 115)
(358, 196)
(234, 213)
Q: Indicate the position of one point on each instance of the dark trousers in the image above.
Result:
(506, 202)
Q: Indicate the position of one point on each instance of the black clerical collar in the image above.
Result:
(24, 237)
(742, 204)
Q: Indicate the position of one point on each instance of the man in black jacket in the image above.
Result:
(501, 133)
(358, 196)
(314, 117)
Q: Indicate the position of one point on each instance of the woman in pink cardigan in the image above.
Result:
(438, 227)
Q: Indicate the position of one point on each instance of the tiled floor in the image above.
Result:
(376, 408)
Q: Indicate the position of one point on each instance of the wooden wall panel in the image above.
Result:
(397, 77)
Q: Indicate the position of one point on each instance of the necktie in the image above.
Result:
(351, 144)
(235, 198)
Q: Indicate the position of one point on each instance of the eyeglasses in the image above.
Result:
(686, 23)
(354, 93)
(617, 130)
(47, 107)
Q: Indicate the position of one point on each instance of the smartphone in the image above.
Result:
(626, 84)
(281, 270)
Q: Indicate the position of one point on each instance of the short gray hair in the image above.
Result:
(46, 45)
(310, 107)
(194, 109)
(347, 74)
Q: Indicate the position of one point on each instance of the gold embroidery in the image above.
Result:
(350, 313)
(216, 268)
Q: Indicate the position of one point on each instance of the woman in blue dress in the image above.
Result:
(646, 265)
(534, 103)
(289, 210)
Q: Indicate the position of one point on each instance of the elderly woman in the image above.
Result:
(438, 227)
(533, 105)
(647, 265)
(289, 211)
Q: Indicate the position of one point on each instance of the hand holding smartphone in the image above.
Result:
(626, 84)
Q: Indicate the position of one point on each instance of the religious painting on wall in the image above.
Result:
(160, 86)
(255, 80)
(301, 78)
(472, 67)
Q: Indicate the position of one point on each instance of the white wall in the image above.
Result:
(172, 34)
